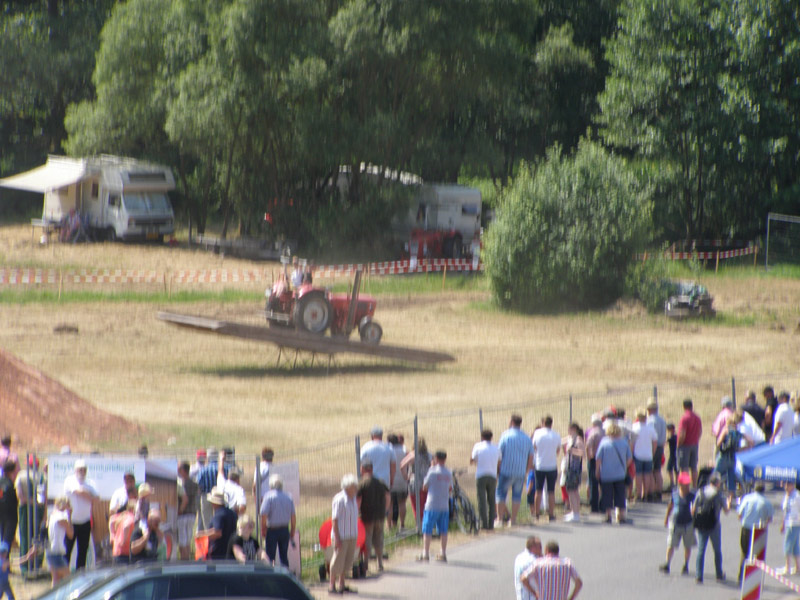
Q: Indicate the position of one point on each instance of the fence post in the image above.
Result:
(655, 393)
(358, 455)
(733, 390)
(480, 418)
(570, 408)
(418, 512)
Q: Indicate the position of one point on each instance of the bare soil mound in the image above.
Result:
(41, 413)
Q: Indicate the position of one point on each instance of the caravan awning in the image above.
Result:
(51, 176)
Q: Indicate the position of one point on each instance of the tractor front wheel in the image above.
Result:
(371, 333)
(313, 313)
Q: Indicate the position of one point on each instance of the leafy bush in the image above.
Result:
(566, 231)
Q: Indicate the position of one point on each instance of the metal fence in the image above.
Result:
(322, 466)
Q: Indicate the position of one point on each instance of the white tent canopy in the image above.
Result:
(54, 175)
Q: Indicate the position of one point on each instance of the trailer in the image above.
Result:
(291, 339)
(116, 198)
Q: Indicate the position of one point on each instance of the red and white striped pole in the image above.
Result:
(753, 577)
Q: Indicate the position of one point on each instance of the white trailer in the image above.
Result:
(447, 207)
(117, 198)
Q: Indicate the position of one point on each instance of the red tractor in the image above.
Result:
(313, 309)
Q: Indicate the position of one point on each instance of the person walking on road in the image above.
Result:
(439, 484)
(679, 522)
(546, 448)
(516, 459)
(533, 550)
(344, 533)
(754, 511)
(790, 527)
(486, 456)
(708, 505)
(690, 430)
(549, 577)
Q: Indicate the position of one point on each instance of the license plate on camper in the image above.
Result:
(152, 234)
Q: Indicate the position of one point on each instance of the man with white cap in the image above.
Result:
(221, 527)
(81, 493)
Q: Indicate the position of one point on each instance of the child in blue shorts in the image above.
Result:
(438, 483)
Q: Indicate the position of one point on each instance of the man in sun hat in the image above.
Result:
(221, 527)
(81, 493)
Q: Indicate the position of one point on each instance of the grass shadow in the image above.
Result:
(306, 369)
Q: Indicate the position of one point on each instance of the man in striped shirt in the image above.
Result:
(516, 459)
(344, 532)
(549, 578)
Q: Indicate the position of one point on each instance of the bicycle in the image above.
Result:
(463, 511)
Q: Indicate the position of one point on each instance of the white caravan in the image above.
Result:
(116, 197)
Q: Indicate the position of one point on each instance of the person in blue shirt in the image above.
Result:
(613, 458)
(754, 511)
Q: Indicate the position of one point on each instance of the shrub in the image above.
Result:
(566, 231)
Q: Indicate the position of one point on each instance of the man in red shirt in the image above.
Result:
(690, 429)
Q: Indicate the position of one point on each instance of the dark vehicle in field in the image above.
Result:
(184, 581)
(688, 299)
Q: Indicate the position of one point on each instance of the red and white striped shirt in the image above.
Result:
(345, 511)
(551, 576)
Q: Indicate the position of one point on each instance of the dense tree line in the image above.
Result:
(256, 104)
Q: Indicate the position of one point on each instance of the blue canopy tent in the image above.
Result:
(780, 462)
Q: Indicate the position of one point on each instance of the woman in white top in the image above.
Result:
(59, 527)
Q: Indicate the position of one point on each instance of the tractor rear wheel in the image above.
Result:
(313, 313)
(371, 333)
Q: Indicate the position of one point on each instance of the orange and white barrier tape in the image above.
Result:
(705, 255)
(12, 277)
(752, 578)
(758, 564)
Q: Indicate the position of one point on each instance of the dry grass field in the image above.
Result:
(202, 389)
(189, 389)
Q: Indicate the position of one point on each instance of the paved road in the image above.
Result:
(615, 562)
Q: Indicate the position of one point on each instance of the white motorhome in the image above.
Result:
(117, 198)
(447, 207)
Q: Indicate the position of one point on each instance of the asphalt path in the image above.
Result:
(614, 561)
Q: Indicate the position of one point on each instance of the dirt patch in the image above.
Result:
(41, 413)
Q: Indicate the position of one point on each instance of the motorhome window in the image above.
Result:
(158, 203)
(470, 209)
(134, 203)
(95, 189)
(113, 201)
(147, 176)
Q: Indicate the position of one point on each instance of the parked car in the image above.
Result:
(689, 299)
(181, 581)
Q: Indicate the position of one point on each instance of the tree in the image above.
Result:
(567, 229)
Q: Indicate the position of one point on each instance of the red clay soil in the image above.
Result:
(41, 414)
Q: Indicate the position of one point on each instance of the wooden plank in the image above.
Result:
(308, 342)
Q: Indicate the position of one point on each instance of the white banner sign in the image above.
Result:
(104, 473)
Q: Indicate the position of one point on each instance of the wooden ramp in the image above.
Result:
(307, 342)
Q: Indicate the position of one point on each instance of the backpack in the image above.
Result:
(730, 443)
(705, 515)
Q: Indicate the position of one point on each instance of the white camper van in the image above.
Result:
(447, 208)
(117, 198)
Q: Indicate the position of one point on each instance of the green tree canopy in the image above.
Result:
(566, 231)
